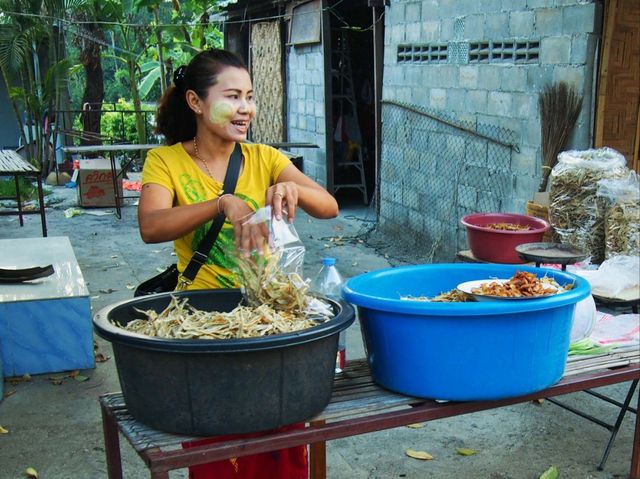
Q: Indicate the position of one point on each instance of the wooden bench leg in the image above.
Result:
(159, 474)
(318, 457)
(111, 443)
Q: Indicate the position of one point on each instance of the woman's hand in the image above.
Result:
(283, 196)
(249, 237)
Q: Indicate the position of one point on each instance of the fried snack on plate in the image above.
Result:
(522, 284)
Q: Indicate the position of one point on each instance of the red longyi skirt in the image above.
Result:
(291, 463)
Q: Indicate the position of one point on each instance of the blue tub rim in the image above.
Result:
(351, 293)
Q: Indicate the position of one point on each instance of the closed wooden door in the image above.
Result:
(618, 114)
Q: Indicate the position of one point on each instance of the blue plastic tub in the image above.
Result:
(462, 351)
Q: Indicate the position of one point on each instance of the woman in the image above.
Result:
(202, 116)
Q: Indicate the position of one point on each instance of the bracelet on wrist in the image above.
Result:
(220, 210)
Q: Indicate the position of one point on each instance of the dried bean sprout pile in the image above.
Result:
(278, 303)
(181, 321)
(453, 296)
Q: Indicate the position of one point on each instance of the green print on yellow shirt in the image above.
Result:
(223, 251)
(193, 189)
(221, 254)
(252, 203)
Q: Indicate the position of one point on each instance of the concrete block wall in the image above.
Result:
(306, 107)
(493, 95)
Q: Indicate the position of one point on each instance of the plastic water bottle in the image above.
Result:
(328, 282)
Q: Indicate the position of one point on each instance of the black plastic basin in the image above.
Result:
(207, 387)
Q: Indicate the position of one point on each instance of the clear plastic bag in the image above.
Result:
(574, 211)
(613, 276)
(621, 201)
(274, 276)
(284, 241)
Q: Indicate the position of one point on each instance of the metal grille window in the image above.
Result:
(423, 53)
(505, 51)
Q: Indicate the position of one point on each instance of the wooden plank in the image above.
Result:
(619, 80)
(12, 163)
(355, 394)
(428, 411)
(636, 152)
(610, 9)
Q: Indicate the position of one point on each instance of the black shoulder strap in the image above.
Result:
(201, 254)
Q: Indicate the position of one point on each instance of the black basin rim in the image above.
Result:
(110, 332)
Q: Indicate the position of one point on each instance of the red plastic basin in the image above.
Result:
(498, 246)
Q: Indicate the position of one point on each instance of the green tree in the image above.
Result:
(188, 33)
(34, 67)
(90, 39)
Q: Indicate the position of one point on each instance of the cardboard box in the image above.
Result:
(95, 183)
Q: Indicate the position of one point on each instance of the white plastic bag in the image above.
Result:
(613, 276)
(584, 318)
(621, 331)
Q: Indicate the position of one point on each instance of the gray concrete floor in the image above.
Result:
(56, 429)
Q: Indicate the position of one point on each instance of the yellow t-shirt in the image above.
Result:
(173, 168)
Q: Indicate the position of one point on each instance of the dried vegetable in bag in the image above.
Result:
(621, 201)
(573, 203)
(274, 276)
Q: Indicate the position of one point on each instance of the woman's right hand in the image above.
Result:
(250, 237)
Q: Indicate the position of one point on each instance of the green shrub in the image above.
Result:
(28, 191)
(120, 125)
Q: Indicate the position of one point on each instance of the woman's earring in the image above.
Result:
(199, 112)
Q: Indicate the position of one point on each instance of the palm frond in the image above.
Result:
(15, 49)
(54, 78)
(146, 84)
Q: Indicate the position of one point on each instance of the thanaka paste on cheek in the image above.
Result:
(221, 113)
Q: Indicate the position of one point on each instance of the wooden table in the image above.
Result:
(111, 150)
(357, 406)
(12, 164)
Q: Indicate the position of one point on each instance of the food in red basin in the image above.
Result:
(498, 245)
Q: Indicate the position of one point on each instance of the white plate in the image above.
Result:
(468, 286)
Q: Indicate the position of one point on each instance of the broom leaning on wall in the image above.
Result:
(559, 105)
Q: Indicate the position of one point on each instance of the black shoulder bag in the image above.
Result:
(168, 280)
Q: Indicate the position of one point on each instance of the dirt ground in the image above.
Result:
(56, 429)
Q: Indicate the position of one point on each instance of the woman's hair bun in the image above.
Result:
(178, 77)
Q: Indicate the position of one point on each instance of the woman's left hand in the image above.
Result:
(283, 197)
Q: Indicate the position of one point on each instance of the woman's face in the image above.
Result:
(229, 106)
